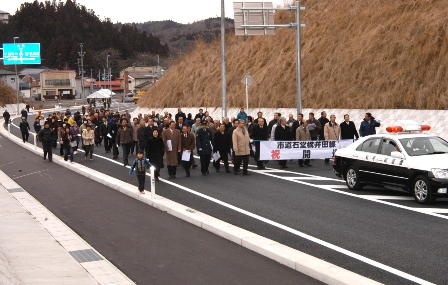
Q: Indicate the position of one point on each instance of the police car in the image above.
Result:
(405, 157)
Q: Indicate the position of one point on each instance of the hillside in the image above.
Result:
(355, 54)
(179, 37)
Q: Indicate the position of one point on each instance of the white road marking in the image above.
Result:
(379, 197)
(306, 236)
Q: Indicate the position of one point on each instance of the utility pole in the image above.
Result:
(82, 73)
(17, 81)
(223, 61)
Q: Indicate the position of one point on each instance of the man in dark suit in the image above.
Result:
(188, 144)
(348, 129)
(296, 124)
(259, 133)
(282, 133)
(180, 123)
(204, 146)
(222, 141)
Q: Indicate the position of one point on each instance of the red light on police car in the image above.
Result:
(425, 127)
(394, 129)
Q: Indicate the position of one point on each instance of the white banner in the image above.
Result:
(283, 150)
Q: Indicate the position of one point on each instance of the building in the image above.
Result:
(4, 17)
(9, 78)
(137, 77)
(60, 83)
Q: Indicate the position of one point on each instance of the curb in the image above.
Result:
(295, 259)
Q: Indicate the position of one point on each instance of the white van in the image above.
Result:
(128, 98)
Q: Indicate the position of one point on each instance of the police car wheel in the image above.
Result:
(352, 178)
(422, 191)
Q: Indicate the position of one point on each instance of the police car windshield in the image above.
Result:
(424, 146)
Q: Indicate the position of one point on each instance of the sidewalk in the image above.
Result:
(37, 248)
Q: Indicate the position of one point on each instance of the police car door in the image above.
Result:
(367, 152)
(389, 169)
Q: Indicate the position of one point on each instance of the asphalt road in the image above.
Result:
(148, 245)
(389, 237)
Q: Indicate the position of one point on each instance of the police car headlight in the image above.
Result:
(439, 173)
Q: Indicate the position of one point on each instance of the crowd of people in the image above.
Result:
(162, 137)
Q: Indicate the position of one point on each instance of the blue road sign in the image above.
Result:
(21, 54)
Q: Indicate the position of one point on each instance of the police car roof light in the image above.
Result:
(425, 127)
(394, 129)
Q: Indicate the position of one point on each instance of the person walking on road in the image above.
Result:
(155, 152)
(67, 140)
(125, 139)
(141, 137)
(259, 133)
(113, 130)
(172, 144)
(74, 131)
(303, 134)
(332, 131)
(24, 114)
(6, 117)
(46, 136)
(222, 144)
(323, 121)
(140, 164)
(368, 125)
(104, 134)
(135, 127)
(204, 147)
(241, 141)
(282, 133)
(24, 129)
(37, 127)
(88, 137)
(348, 129)
(188, 144)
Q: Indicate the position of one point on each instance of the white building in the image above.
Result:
(4, 17)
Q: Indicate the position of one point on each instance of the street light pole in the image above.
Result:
(17, 82)
(107, 70)
(82, 73)
(223, 61)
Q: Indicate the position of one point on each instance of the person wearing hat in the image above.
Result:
(204, 147)
(88, 137)
(46, 136)
(24, 129)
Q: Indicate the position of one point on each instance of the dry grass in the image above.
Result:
(355, 54)
(7, 94)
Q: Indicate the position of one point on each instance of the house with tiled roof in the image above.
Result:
(4, 17)
(58, 83)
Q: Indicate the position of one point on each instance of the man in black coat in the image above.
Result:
(24, 129)
(273, 122)
(282, 133)
(104, 130)
(47, 136)
(348, 129)
(6, 117)
(24, 114)
(204, 146)
(323, 121)
(259, 133)
(222, 144)
(113, 130)
(296, 124)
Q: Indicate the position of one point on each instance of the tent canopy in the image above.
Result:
(101, 94)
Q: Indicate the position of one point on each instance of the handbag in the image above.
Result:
(73, 144)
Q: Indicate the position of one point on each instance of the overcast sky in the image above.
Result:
(129, 11)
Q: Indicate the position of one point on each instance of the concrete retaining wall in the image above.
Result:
(437, 119)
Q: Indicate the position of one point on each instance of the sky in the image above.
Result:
(139, 11)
